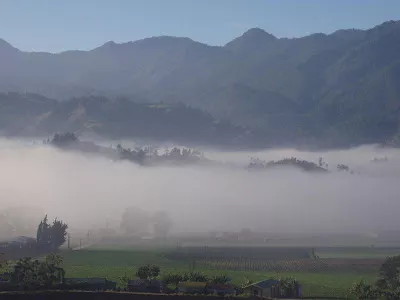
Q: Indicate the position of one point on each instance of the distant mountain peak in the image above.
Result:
(349, 34)
(252, 38)
(386, 27)
(107, 45)
(258, 33)
(154, 41)
(110, 43)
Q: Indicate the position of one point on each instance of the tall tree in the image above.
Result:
(52, 236)
(135, 221)
(43, 235)
(58, 233)
(161, 224)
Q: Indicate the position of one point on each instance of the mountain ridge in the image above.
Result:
(341, 85)
(248, 31)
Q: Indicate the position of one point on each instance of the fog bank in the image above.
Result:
(86, 190)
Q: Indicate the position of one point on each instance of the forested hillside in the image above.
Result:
(339, 89)
(34, 115)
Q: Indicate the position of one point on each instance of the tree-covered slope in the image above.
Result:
(341, 88)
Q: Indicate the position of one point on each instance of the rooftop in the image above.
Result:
(264, 284)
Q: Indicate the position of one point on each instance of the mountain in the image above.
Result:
(340, 88)
(35, 115)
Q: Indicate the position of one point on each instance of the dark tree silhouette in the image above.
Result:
(135, 221)
(63, 139)
(161, 224)
(148, 272)
(51, 236)
(256, 163)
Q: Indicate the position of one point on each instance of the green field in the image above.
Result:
(356, 252)
(113, 262)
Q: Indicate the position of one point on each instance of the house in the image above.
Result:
(145, 286)
(272, 288)
(91, 283)
(267, 289)
(4, 279)
(22, 241)
(192, 287)
(220, 289)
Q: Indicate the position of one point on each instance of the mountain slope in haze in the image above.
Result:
(34, 115)
(342, 88)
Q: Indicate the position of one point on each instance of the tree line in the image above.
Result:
(145, 155)
(387, 286)
(148, 155)
(304, 165)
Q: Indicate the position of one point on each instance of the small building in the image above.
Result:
(267, 289)
(220, 289)
(192, 287)
(22, 241)
(4, 279)
(145, 286)
(228, 236)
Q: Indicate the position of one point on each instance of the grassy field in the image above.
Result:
(113, 262)
(356, 252)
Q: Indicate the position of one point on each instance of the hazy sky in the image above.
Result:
(57, 25)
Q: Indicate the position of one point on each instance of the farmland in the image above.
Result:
(289, 259)
(357, 252)
(115, 261)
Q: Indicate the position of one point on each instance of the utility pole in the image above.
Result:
(69, 241)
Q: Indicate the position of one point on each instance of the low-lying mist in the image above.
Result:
(86, 190)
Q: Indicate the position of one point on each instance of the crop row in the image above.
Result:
(310, 265)
(265, 253)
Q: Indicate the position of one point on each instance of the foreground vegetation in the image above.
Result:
(114, 264)
(118, 264)
(340, 272)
